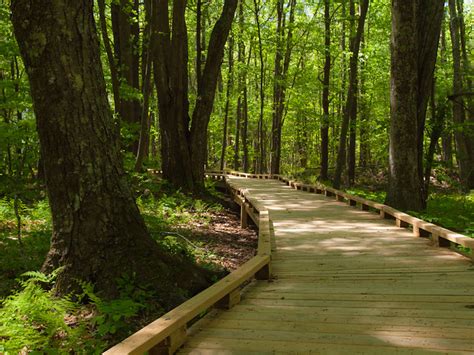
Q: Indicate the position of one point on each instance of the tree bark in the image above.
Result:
(110, 56)
(413, 60)
(404, 190)
(230, 81)
(126, 36)
(438, 114)
(350, 109)
(364, 131)
(429, 18)
(351, 151)
(283, 51)
(147, 65)
(260, 151)
(326, 81)
(241, 84)
(206, 93)
(98, 233)
(464, 145)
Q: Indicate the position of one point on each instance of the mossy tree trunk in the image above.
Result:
(98, 233)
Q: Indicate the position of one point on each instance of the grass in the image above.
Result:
(32, 319)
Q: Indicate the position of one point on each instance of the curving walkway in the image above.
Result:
(345, 282)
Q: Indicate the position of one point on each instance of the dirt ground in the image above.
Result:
(226, 243)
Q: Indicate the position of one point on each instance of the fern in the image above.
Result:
(34, 320)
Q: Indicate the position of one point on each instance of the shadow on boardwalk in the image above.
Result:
(345, 281)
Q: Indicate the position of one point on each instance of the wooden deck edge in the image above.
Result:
(168, 332)
(440, 236)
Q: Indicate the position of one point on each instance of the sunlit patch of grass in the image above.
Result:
(452, 211)
(35, 236)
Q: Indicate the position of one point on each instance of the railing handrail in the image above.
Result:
(441, 236)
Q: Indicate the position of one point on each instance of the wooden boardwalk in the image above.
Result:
(345, 282)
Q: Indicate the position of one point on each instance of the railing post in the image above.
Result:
(264, 273)
(243, 215)
(229, 300)
(171, 343)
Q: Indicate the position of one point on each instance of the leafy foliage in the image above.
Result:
(34, 320)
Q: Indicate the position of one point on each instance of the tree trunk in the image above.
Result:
(429, 18)
(404, 190)
(464, 145)
(227, 101)
(326, 81)
(204, 103)
(126, 36)
(199, 30)
(171, 75)
(438, 114)
(260, 151)
(110, 56)
(147, 65)
(184, 148)
(98, 233)
(351, 151)
(283, 53)
(364, 131)
(351, 103)
(413, 60)
(245, 123)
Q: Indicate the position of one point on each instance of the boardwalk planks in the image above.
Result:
(346, 281)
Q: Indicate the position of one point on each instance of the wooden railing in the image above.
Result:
(166, 334)
(440, 236)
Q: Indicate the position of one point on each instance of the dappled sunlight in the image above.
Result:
(347, 281)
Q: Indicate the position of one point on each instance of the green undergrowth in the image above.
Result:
(33, 319)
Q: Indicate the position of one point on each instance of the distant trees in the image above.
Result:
(350, 108)
(288, 107)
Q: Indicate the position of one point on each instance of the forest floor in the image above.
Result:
(205, 229)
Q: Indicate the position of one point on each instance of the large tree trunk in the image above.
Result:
(98, 233)
(326, 80)
(413, 59)
(429, 18)
(350, 109)
(207, 90)
(171, 75)
(184, 148)
(404, 190)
